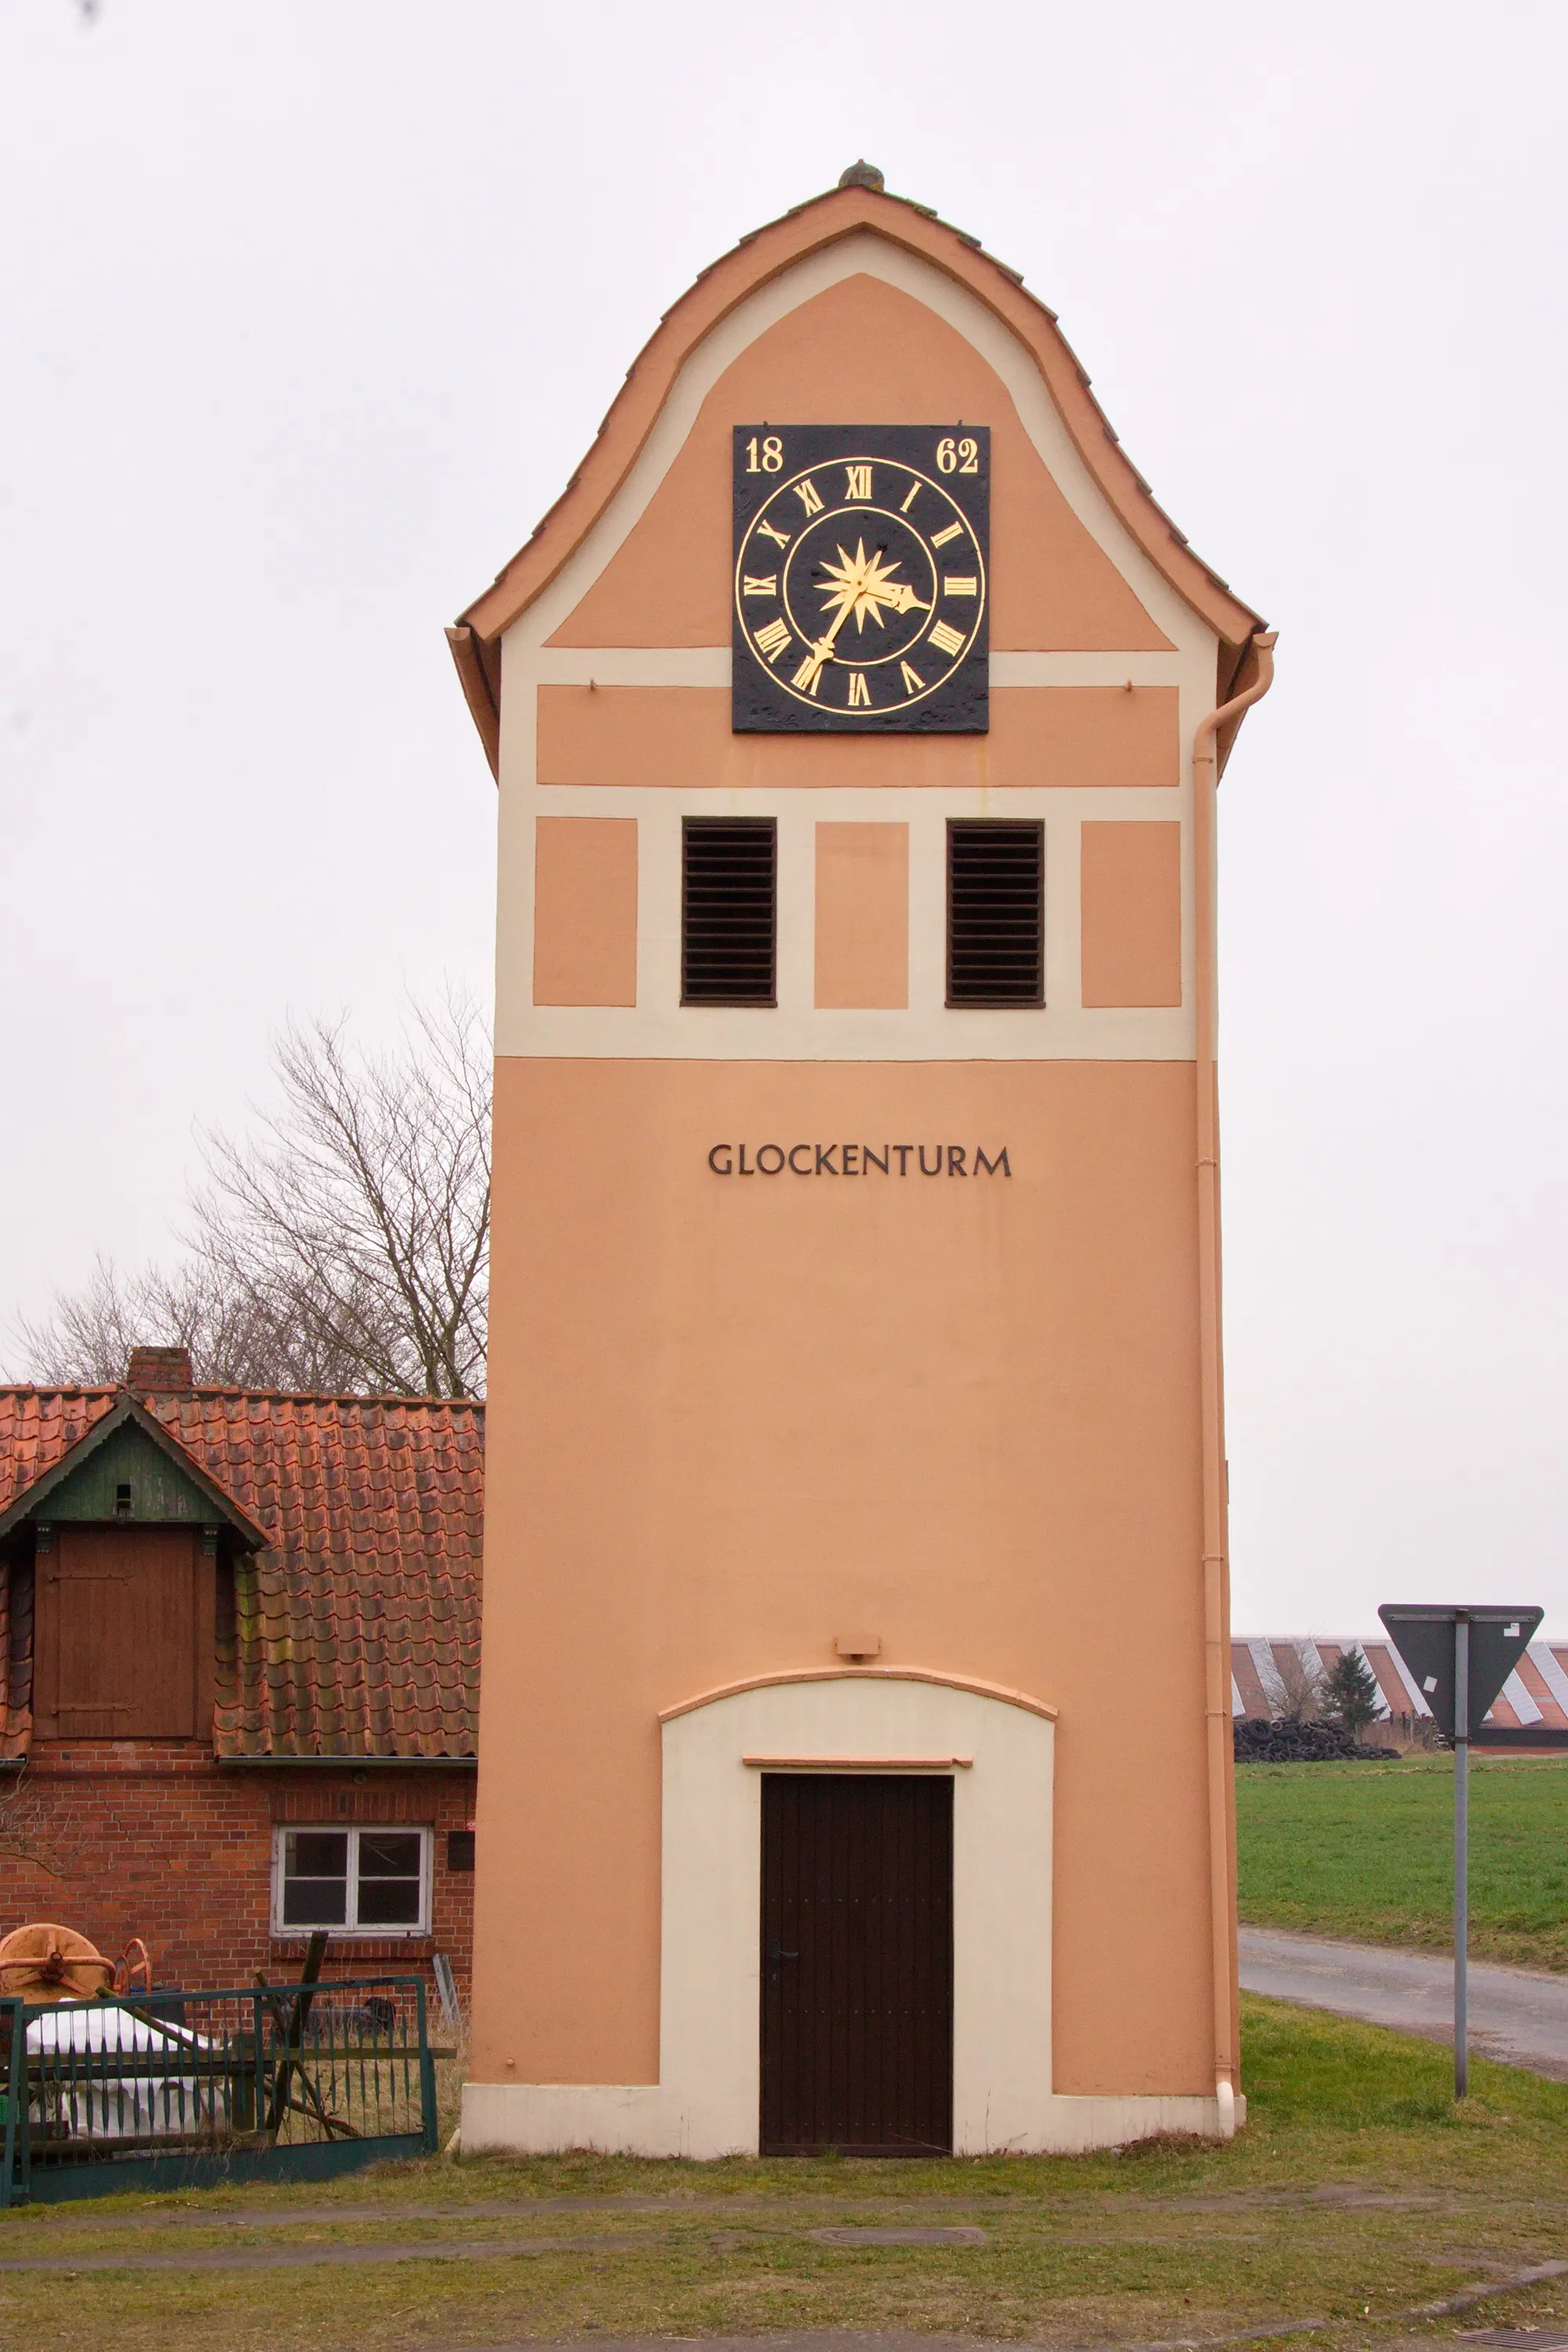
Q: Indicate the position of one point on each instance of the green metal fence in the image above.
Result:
(171, 2089)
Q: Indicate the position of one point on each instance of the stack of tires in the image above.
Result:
(1313, 1742)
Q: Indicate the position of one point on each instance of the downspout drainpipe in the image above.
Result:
(1216, 1574)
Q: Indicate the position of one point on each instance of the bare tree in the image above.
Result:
(87, 1335)
(358, 1212)
(87, 1338)
(341, 1244)
(1302, 1688)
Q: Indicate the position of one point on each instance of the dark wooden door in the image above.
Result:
(857, 1963)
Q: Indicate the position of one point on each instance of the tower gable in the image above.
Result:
(861, 348)
(687, 352)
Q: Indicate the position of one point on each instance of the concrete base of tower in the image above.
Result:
(643, 2119)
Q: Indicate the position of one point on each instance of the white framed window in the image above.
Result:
(370, 1881)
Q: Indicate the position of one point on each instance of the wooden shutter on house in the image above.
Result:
(118, 1619)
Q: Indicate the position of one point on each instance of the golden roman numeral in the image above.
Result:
(768, 587)
(859, 693)
(969, 587)
(779, 538)
(912, 496)
(952, 532)
(857, 481)
(946, 640)
(772, 640)
(913, 682)
(807, 494)
(809, 676)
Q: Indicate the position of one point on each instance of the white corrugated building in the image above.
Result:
(1266, 1672)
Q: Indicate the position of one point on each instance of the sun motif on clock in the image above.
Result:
(860, 578)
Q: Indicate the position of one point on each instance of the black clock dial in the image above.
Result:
(860, 578)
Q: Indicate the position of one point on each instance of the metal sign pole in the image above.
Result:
(1461, 1658)
(1461, 1854)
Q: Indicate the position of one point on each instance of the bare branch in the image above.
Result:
(341, 1244)
(359, 1208)
(1303, 1690)
(24, 1837)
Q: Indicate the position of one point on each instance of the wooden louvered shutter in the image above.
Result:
(995, 914)
(728, 910)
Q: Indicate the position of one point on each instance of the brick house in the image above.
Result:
(239, 1635)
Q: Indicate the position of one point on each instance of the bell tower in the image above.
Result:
(855, 1390)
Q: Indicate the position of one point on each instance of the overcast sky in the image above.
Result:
(308, 312)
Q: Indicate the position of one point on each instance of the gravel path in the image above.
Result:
(1516, 2016)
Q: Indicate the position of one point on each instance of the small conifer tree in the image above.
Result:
(1350, 1695)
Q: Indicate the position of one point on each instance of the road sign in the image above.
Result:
(1461, 1658)
(1424, 1640)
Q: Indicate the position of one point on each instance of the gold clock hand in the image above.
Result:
(822, 651)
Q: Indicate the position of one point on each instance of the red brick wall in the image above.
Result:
(150, 1838)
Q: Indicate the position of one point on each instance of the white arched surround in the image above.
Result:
(999, 1750)
(999, 1756)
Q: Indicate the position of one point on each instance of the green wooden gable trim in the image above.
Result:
(130, 1447)
(158, 1488)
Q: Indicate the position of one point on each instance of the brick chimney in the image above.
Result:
(159, 1372)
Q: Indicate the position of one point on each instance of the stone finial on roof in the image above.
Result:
(159, 1372)
(862, 175)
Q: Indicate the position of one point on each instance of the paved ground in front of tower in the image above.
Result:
(1519, 2016)
(1358, 2208)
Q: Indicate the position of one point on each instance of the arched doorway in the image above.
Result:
(889, 1832)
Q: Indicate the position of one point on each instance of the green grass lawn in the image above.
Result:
(1366, 1851)
(1357, 2196)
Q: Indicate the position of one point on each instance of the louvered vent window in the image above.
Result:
(995, 914)
(728, 906)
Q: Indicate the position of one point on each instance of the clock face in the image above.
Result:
(860, 578)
